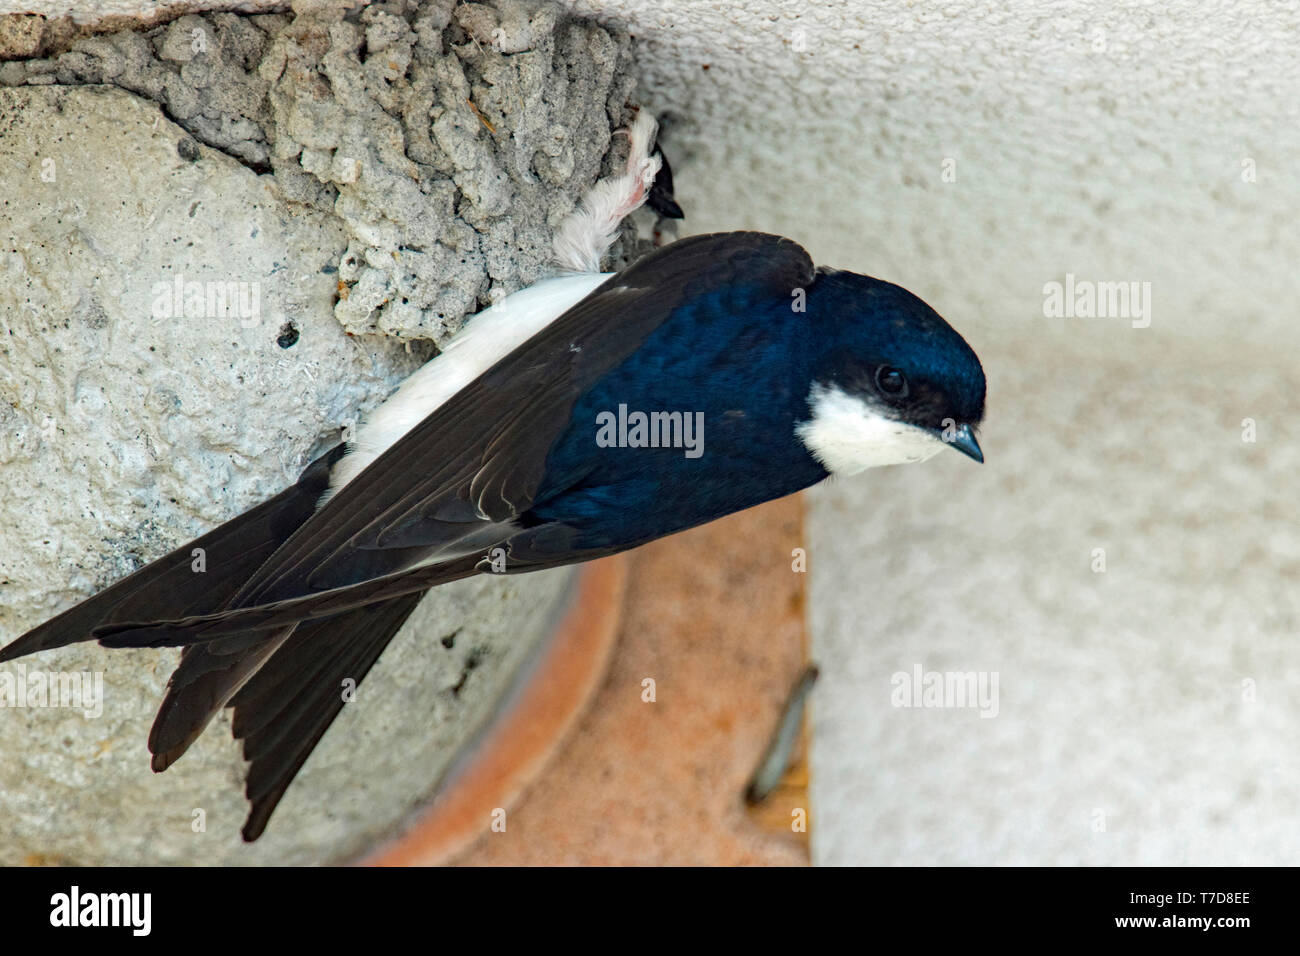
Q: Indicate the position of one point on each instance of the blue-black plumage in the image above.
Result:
(748, 358)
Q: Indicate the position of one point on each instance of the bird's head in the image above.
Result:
(895, 384)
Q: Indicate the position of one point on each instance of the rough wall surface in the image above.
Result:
(980, 152)
(448, 141)
(180, 222)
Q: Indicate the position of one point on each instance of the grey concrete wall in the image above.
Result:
(1148, 713)
(359, 220)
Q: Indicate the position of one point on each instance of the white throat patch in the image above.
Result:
(847, 435)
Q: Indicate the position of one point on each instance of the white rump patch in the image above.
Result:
(487, 338)
(848, 434)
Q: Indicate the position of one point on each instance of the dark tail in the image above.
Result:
(207, 677)
(285, 684)
(282, 712)
(285, 689)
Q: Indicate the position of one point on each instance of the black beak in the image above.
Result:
(963, 439)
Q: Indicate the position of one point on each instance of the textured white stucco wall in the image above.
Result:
(1148, 713)
(974, 152)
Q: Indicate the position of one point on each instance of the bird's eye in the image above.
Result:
(891, 382)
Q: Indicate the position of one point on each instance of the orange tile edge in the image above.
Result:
(715, 615)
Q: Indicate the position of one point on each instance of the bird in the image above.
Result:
(755, 374)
